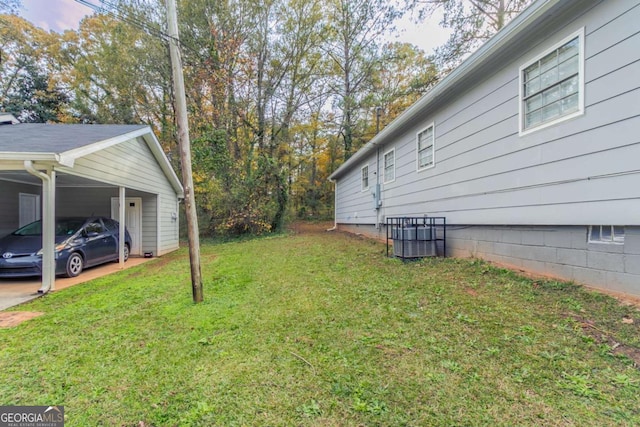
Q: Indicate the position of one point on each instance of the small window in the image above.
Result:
(365, 178)
(390, 165)
(426, 148)
(606, 234)
(551, 86)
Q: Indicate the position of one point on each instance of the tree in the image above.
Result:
(29, 88)
(10, 6)
(119, 73)
(356, 26)
(473, 22)
(407, 74)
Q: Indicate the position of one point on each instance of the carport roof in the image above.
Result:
(62, 144)
(57, 138)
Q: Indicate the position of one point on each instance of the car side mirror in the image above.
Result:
(90, 234)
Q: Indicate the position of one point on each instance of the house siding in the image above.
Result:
(528, 200)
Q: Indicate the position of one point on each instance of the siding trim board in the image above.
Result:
(524, 197)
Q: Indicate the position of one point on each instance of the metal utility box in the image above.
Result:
(416, 237)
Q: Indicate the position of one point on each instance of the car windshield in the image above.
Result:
(33, 229)
(64, 227)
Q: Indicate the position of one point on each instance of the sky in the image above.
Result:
(60, 15)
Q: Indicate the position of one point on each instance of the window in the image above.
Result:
(390, 165)
(364, 178)
(110, 224)
(551, 86)
(606, 234)
(425, 148)
(94, 227)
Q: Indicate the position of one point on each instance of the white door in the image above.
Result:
(132, 220)
(29, 208)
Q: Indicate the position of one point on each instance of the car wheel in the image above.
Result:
(126, 251)
(75, 264)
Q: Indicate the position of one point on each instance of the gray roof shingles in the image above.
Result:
(56, 138)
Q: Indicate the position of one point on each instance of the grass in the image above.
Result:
(323, 330)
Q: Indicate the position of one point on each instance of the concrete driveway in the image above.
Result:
(17, 291)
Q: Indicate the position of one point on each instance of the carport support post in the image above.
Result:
(48, 225)
(121, 238)
(49, 234)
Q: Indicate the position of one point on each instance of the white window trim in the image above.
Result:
(362, 187)
(433, 148)
(580, 112)
(613, 241)
(384, 166)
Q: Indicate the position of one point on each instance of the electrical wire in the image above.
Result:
(113, 11)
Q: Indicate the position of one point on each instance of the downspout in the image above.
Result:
(335, 206)
(48, 227)
(377, 190)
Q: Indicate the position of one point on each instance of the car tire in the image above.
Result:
(126, 252)
(75, 265)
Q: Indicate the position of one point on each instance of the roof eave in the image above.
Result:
(36, 157)
(475, 60)
(69, 157)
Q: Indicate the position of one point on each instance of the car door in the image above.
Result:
(100, 245)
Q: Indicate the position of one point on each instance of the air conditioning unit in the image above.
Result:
(414, 248)
(416, 237)
(413, 242)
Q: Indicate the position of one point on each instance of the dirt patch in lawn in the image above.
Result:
(603, 337)
(9, 319)
(310, 227)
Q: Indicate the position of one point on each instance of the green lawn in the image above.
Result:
(323, 330)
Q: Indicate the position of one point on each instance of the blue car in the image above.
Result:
(80, 243)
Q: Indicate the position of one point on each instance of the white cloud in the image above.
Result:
(56, 15)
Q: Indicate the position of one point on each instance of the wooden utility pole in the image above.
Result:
(185, 151)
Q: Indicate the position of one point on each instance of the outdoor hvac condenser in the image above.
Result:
(416, 237)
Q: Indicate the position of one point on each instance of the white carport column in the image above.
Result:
(48, 225)
(121, 231)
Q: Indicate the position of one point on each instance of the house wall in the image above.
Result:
(10, 204)
(577, 173)
(132, 165)
(94, 201)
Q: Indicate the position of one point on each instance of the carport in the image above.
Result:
(119, 171)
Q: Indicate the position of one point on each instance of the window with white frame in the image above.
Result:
(606, 234)
(426, 148)
(552, 85)
(364, 182)
(390, 165)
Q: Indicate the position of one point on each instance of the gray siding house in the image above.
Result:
(117, 171)
(530, 149)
